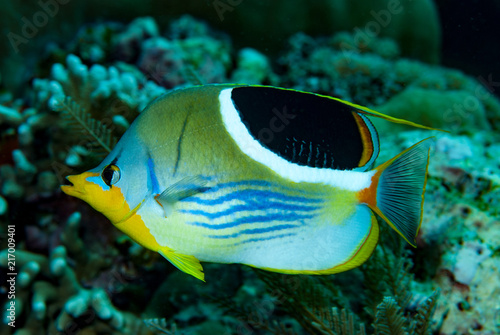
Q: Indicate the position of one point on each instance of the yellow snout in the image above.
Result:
(78, 189)
(112, 204)
(109, 202)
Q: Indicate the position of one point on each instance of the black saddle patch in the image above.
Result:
(301, 127)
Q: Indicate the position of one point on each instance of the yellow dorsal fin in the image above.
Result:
(371, 112)
(188, 264)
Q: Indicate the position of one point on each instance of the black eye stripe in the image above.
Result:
(110, 175)
(107, 175)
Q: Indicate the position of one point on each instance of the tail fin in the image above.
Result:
(397, 190)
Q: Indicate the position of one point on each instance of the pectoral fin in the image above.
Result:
(186, 263)
(182, 189)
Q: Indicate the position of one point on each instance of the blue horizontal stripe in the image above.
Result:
(255, 231)
(259, 183)
(260, 239)
(249, 194)
(253, 219)
(251, 206)
(221, 186)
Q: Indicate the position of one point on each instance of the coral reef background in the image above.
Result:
(66, 63)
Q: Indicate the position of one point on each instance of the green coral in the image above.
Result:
(372, 76)
(389, 318)
(451, 110)
(160, 326)
(99, 135)
(343, 323)
(113, 95)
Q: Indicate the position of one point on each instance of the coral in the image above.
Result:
(11, 188)
(126, 44)
(78, 286)
(252, 68)
(314, 301)
(390, 319)
(160, 326)
(395, 19)
(55, 287)
(78, 118)
(96, 89)
(24, 169)
(77, 273)
(179, 293)
(347, 42)
(10, 115)
(164, 60)
(94, 43)
(451, 110)
(457, 148)
(343, 323)
(459, 235)
(433, 96)
(96, 86)
(3, 206)
(248, 22)
(467, 261)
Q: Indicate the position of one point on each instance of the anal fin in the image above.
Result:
(186, 263)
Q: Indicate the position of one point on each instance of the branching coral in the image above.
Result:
(81, 120)
(57, 294)
(193, 45)
(115, 97)
(389, 318)
(97, 87)
(72, 288)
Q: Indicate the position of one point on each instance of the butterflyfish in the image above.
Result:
(273, 178)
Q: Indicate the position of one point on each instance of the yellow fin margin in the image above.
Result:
(360, 109)
(361, 254)
(370, 112)
(370, 196)
(186, 263)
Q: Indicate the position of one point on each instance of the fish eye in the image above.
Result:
(111, 174)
